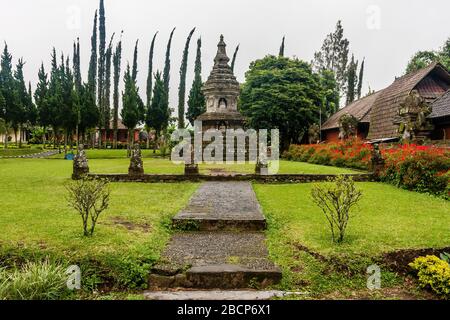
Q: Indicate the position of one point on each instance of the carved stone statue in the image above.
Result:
(377, 161)
(261, 168)
(80, 163)
(136, 166)
(190, 167)
(413, 112)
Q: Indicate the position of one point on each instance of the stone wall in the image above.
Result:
(278, 178)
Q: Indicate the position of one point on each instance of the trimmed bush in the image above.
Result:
(433, 273)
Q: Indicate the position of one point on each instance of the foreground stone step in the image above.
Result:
(218, 295)
(222, 206)
(215, 260)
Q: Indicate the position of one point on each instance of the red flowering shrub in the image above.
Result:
(352, 154)
(419, 168)
(413, 167)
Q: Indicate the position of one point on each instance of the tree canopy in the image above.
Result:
(282, 93)
(421, 59)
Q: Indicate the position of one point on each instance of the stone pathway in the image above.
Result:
(224, 250)
(44, 154)
(223, 205)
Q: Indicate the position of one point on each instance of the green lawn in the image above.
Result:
(387, 219)
(36, 222)
(155, 164)
(35, 218)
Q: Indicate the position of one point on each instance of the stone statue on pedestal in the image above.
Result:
(136, 166)
(80, 163)
(191, 168)
(261, 168)
(377, 161)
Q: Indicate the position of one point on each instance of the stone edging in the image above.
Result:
(32, 155)
(278, 178)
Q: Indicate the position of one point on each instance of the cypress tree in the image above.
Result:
(361, 79)
(134, 72)
(68, 109)
(182, 86)
(55, 98)
(92, 73)
(101, 65)
(352, 80)
(77, 65)
(117, 58)
(32, 114)
(196, 101)
(135, 57)
(130, 106)
(159, 114)
(78, 85)
(9, 90)
(41, 98)
(281, 54)
(2, 106)
(233, 61)
(89, 113)
(107, 98)
(150, 71)
(166, 73)
(19, 115)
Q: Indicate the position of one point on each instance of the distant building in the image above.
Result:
(441, 117)
(107, 135)
(359, 109)
(378, 114)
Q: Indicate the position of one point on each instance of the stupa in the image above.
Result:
(221, 92)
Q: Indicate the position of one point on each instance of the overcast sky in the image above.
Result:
(386, 32)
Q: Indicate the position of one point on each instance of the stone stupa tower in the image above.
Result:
(221, 92)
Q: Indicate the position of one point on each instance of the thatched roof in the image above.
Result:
(360, 109)
(441, 107)
(434, 80)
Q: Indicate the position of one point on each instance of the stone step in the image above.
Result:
(222, 206)
(221, 295)
(215, 260)
(224, 223)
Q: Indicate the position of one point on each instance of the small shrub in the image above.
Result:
(90, 197)
(433, 273)
(336, 201)
(34, 281)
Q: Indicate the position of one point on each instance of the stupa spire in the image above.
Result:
(221, 58)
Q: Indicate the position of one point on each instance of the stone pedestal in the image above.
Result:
(261, 169)
(136, 166)
(191, 169)
(80, 164)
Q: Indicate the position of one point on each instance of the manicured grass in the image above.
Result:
(284, 167)
(387, 219)
(155, 164)
(35, 218)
